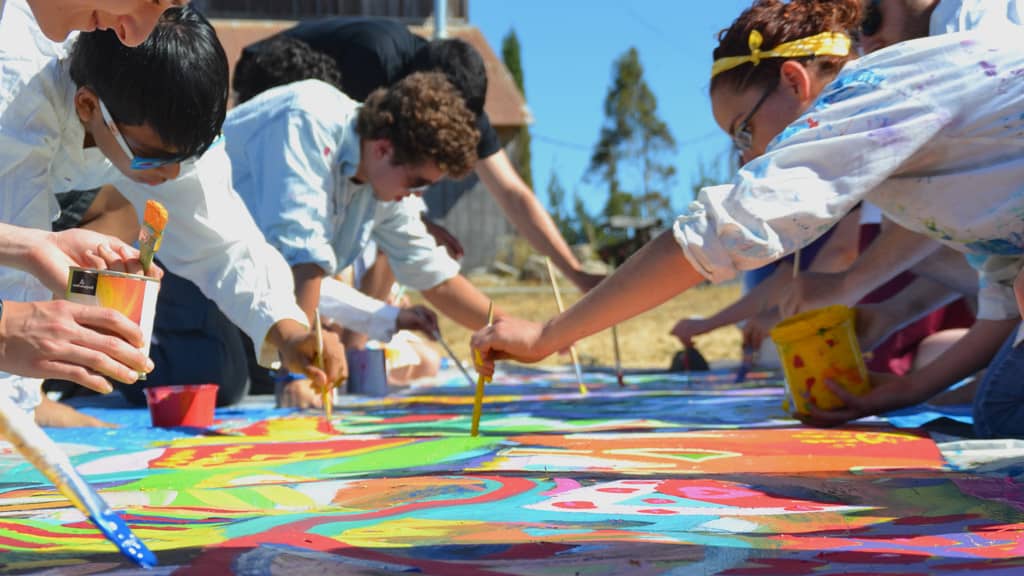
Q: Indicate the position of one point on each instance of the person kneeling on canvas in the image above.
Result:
(928, 130)
(322, 175)
(147, 120)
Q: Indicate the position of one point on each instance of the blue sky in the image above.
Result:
(568, 47)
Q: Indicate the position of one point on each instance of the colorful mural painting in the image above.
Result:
(396, 485)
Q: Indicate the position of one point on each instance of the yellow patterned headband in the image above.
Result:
(824, 44)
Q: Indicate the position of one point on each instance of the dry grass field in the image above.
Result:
(644, 341)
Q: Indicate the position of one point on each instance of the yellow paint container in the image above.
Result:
(819, 345)
(130, 294)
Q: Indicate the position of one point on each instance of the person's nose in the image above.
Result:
(133, 29)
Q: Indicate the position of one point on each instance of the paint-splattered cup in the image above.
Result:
(184, 405)
(130, 294)
(816, 346)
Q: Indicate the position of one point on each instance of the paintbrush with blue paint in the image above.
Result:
(31, 441)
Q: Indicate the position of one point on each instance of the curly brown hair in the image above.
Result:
(780, 22)
(426, 120)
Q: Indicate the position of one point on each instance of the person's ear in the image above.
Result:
(87, 105)
(383, 149)
(795, 80)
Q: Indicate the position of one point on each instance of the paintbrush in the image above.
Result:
(448, 350)
(481, 380)
(31, 441)
(561, 308)
(618, 358)
(326, 398)
(152, 233)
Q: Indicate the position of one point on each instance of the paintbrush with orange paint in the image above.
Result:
(152, 233)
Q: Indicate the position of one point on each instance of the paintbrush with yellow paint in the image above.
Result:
(481, 381)
(326, 392)
(152, 233)
(561, 308)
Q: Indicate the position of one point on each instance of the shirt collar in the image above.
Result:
(349, 149)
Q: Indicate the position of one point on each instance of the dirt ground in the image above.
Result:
(644, 341)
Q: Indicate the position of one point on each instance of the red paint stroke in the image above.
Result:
(268, 453)
(576, 505)
(13, 543)
(29, 530)
(811, 122)
(798, 362)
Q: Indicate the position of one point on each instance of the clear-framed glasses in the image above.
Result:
(137, 162)
(742, 139)
(872, 21)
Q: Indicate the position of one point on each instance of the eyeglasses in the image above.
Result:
(415, 183)
(872, 19)
(138, 162)
(742, 139)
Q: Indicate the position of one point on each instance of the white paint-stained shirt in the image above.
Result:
(931, 131)
(210, 238)
(978, 15)
(293, 151)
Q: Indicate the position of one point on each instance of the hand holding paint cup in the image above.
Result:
(130, 294)
(816, 346)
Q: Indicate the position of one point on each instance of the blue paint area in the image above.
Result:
(998, 247)
(114, 528)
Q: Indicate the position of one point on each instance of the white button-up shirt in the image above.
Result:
(293, 151)
(931, 131)
(210, 238)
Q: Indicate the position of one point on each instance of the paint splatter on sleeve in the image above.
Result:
(857, 134)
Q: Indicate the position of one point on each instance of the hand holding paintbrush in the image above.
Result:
(33, 443)
(481, 381)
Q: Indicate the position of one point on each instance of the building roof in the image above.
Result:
(505, 105)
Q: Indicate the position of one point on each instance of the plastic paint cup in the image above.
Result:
(130, 294)
(182, 405)
(367, 372)
(819, 345)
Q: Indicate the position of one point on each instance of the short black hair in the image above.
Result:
(281, 60)
(176, 81)
(461, 64)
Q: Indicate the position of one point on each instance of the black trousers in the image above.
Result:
(194, 343)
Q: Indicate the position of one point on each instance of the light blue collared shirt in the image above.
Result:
(293, 152)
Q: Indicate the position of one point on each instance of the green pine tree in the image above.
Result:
(633, 135)
(510, 55)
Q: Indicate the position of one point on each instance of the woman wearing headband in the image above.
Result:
(930, 131)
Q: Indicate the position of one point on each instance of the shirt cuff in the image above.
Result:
(696, 235)
(357, 311)
(24, 392)
(258, 326)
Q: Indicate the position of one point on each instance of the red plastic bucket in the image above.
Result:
(185, 405)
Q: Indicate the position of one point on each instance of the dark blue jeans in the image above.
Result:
(193, 343)
(999, 401)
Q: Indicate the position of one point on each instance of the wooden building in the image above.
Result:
(465, 207)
